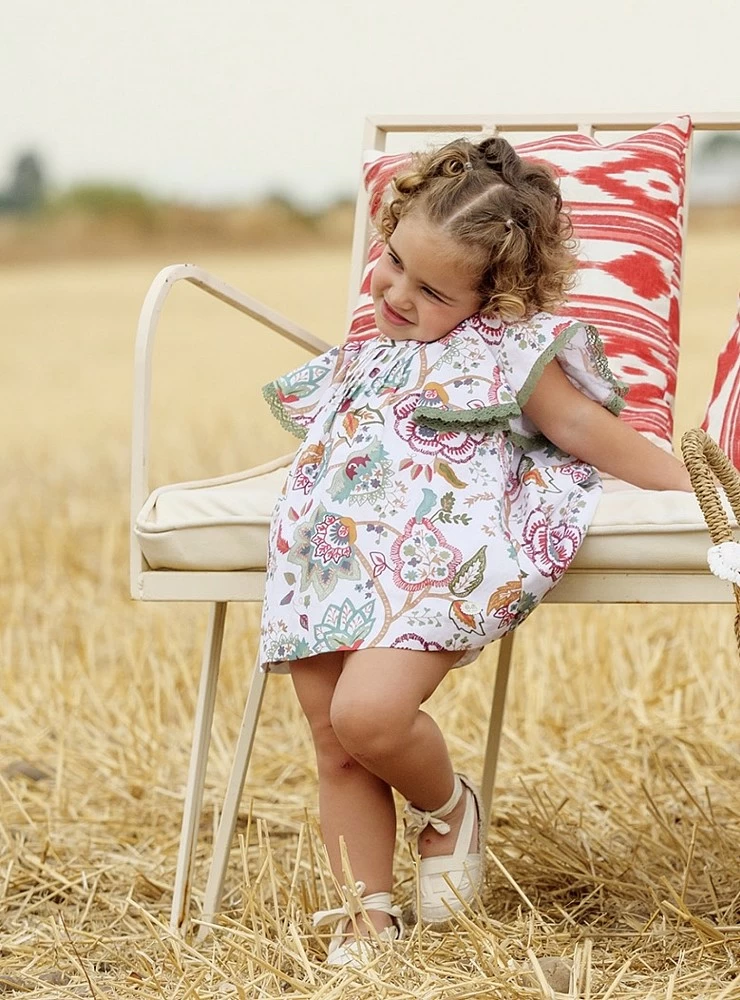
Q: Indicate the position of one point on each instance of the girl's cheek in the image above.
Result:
(376, 281)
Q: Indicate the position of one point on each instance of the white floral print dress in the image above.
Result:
(423, 510)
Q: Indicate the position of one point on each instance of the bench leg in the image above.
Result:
(230, 812)
(197, 769)
(495, 725)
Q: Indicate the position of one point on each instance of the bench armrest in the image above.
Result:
(149, 318)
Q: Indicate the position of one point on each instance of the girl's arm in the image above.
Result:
(585, 429)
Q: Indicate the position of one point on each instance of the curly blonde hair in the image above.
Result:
(506, 210)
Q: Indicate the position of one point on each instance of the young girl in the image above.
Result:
(443, 485)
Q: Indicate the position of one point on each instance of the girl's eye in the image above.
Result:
(394, 260)
(431, 294)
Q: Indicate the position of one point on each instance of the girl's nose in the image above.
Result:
(398, 296)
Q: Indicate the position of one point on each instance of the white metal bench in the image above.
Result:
(643, 547)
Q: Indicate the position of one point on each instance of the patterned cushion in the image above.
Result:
(627, 203)
(722, 419)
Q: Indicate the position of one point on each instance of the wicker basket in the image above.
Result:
(704, 459)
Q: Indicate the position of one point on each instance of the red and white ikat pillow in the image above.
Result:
(722, 419)
(627, 204)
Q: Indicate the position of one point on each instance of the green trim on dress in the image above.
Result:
(488, 418)
(280, 412)
(614, 403)
(483, 418)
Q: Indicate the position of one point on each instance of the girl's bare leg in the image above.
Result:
(376, 717)
(354, 803)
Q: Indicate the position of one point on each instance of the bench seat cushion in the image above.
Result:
(223, 524)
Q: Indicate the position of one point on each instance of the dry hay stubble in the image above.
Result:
(615, 836)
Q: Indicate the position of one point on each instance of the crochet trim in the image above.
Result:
(614, 403)
(482, 418)
(280, 412)
(487, 418)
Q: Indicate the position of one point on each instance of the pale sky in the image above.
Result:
(230, 99)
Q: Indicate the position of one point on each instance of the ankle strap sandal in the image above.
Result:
(346, 947)
(463, 869)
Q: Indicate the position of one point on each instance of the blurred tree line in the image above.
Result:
(28, 192)
(27, 189)
(40, 221)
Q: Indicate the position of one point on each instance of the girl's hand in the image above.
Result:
(585, 429)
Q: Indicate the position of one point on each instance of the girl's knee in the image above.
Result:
(331, 757)
(365, 728)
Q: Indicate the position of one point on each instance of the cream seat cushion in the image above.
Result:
(223, 524)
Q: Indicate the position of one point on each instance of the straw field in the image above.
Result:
(615, 844)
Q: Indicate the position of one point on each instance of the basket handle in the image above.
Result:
(703, 457)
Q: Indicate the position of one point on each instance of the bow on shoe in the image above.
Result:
(345, 949)
(416, 820)
(356, 903)
(351, 907)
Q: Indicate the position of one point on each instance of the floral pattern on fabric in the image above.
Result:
(423, 510)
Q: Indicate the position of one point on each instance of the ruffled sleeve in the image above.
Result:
(296, 398)
(500, 364)
(466, 387)
(527, 347)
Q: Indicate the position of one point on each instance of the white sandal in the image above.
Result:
(463, 870)
(356, 952)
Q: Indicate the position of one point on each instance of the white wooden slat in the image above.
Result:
(576, 587)
(590, 587)
(715, 120)
(373, 138)
(186, 585)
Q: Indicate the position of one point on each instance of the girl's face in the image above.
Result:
(422, 285)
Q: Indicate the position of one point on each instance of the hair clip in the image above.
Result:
(467, 165)
(509, 224)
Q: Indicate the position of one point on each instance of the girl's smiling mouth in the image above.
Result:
(391, 316)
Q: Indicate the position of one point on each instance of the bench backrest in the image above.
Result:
(432, 129)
